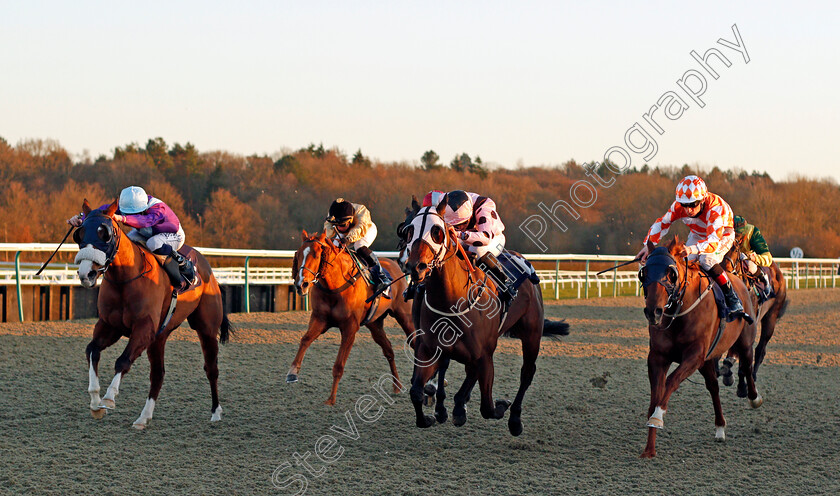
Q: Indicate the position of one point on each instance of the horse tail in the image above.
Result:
(553, 328)
(783, 309)
(226, 330)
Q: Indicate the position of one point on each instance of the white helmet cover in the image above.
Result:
(133, 200)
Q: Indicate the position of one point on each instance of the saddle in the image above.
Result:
(517, 268)
(187, 252)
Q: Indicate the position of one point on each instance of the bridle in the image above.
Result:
(323, 263)
(676, 291)
(444, 252)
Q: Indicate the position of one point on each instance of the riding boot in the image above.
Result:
(381, 278)
(491, 263)
(410, 290)
(186, 269)
(170, 266)
(768, 288)
(733, 303)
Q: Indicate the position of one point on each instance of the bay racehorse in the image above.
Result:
(134, 299)
(768, 313)
(683, 323)
(337, 294)
(457, 314)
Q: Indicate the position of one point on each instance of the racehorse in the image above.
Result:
(134, 299)
(458, 315)
(684, 327)
(338, 294)
(767, 312)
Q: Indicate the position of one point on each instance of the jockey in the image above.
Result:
(754, 251)
(349, 224)
(155, 225)
(481, 232)
(709, 218)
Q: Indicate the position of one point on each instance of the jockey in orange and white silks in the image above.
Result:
(480, 231)
(350, 224)
(710, 220)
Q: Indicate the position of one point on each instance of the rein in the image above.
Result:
(348, 283)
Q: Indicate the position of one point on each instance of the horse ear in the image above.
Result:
(303, 235)
(442, 205)
(415, 205)
(650, 246)
(677, 239)
(86, 207)
(112, 209)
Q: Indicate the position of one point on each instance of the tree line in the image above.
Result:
(259, 201)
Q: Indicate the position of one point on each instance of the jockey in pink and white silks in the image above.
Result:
(480, 231)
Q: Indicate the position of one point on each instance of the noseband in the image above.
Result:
(112, 246)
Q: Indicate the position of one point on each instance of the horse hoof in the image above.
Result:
(98, 414)
(720, 435)
(728, 380)
(108, 404)
(330, 402)
(515, 427)
(139, 427)
(441, 416)
(501, 408)
(427, 421)
(656, 423)
(459, 420)
(428, 401)
(291, 378)
(648, 454)
(757, 402)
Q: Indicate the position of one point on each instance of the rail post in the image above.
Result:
(247, 289)
(17, 285)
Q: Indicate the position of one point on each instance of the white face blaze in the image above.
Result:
(302, 265)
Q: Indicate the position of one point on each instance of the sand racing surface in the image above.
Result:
(584, 416)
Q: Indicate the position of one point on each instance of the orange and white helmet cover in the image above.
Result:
(691, 189)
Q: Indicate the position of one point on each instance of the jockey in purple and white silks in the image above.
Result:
(480, 231)
(155, 225)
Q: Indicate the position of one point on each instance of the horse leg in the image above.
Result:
(440, 394)
(316, 328)
(530, 351)
(156, 373)
(210, 350)
(377, 331)
(459, 411)
(490, 409)
(103, 337)
(768, 326)
(142, 335)
(708, 371)
(745, 364)
(348, 336)
(657, 370)
(424, 368)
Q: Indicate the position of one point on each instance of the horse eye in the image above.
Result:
(104, 233)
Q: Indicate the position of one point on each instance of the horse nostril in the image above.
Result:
(658, 313)
(421, 267)
(91, 274)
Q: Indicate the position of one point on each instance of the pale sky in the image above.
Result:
(532, 83)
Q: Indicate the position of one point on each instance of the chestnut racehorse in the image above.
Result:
(683, 325)
(337, 295)
(458, 315)
(768, 313)
(134, 299)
